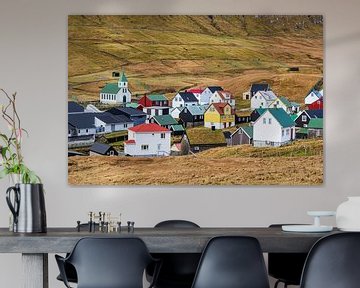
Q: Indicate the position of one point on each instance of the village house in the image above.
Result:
(107, 123)
(219, 116)
(101, 149)
(197, 93)
(304, 117)
(315, 128)
(193, 116)
(74, 107)
(135, 115)
(154, 104)
(273, 128)
(242, 117)
(254, 88)
(148, 140)
(81, 124)
(116, 93)
(314, 100)
(262, 99)
(243, 135)
(201, 139)
(168, 122)
(284, 103)
(175, 112)
(207, 93)
(184, 99)
(223, 97)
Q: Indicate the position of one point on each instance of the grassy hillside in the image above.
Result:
(168, 53)
(298, 164)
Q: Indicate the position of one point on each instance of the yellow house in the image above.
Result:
(219, 115)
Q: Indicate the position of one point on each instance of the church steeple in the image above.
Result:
(123, 81)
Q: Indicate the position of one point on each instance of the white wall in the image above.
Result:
(33, 62)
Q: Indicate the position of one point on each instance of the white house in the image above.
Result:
(207, 93)
(81, 124)
(107, 123)
(183, 99)
(148, 140)
(312, 97)
(116, 93)
(197, 93)
(174, 112)
(223, 97)
(284, 103)
(254, 88)
(273, 128)
(262, 99)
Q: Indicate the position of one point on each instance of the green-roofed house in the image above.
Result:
(284, 103)
(243, 135)
(154, 105)
(116, 93)
(315, 127)
(167, 121)
(273, 128)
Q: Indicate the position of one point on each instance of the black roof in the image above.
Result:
(127, 111)
(188, 97)
(318, 113)
(259, 87)
(82, 120)
(227, 134)
(109, 118)
(74, 107)
(100, 148)
(215, 88)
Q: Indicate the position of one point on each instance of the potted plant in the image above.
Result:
(27, 204)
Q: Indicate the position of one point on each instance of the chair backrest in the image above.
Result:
(333, 262)
(232, 262)
(176, 224)
(286, 266)
(177, 268)
(110, 262)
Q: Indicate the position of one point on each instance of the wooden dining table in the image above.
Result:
(35, 247)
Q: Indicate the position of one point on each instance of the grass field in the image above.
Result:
(298, 164)
(164, 54)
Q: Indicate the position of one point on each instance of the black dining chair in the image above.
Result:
(333, 262)
(108, 263)
(178, 269)
(286, 267)
(70, 271)
(232, 262)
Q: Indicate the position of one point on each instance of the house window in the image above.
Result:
(125, 125)
(162, 135)
(282, 132)
(144, 147)
(269, 120)
(264, 120)
(255, 97)
(87, 130)
(287, 132)
(303, 118)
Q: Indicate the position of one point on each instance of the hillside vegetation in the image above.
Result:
(298, 164)
(165, 54)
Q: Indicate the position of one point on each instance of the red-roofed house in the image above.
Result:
(148, 140)
(219, 116)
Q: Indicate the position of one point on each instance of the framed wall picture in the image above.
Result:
(195, 100)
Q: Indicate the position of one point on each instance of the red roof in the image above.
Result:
(195, 90)
(151, 127)
(130, 142)
(220, 107)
